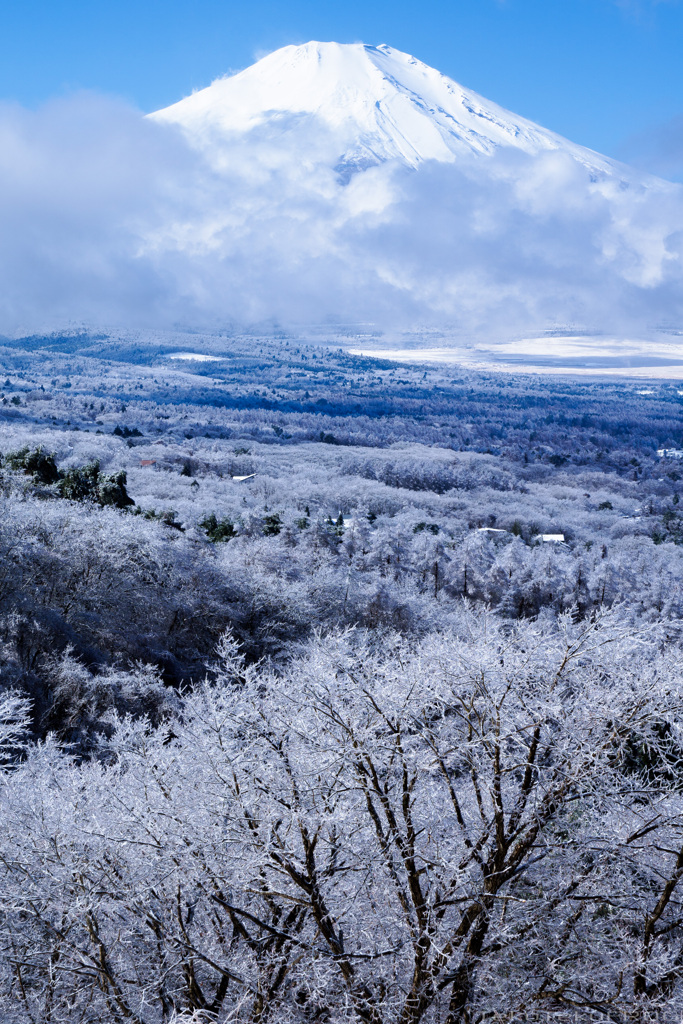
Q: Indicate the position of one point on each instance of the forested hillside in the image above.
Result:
(336, 689)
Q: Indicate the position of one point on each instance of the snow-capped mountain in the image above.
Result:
(375, 102)
(356, 182)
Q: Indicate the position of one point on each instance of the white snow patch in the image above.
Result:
(197, 357)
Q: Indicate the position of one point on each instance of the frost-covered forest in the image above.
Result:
(336, 690)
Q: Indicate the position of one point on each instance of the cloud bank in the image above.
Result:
(109, 218)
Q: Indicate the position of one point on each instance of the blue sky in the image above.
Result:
(600, 72)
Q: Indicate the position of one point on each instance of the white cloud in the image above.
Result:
(109, 218)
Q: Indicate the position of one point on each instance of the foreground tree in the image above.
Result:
(480, 827)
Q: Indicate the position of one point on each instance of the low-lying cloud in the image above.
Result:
(109, 218)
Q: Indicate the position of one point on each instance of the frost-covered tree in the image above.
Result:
(481, 825)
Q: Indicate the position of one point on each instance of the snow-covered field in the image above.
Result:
(570, 354)
(195, 357)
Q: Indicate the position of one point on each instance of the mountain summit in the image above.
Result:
(356, 182)
(374, 102)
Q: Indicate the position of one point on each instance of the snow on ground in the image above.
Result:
(196, 357)
(575, 354)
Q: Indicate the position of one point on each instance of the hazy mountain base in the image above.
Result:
(508, 780)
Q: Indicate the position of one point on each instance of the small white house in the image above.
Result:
(239, 479)
(670, 453)
(552, 538)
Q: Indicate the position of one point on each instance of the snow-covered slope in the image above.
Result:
(375, 103)
(356, 182)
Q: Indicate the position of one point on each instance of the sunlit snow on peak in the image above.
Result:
(377, 103)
